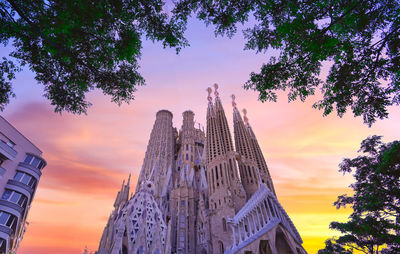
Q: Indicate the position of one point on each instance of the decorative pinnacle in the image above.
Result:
(209, 90)
(233, 100)
(246, 120)
(216, 90)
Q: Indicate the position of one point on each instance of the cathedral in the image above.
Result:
(199, 192)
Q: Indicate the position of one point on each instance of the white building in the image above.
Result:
(21, 166)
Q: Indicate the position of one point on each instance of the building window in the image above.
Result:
(7, 141)
(187, 147)
(7, 219)
(221, 247)
(182, 202)
(28, 158)
(35, 161)
(2, 170)
(187, 157)
(14, 197)
(25, 178)
(224, 224)
(140, 250)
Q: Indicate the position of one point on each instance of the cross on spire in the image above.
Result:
(209, 90)
(246, 120)
(216, 90)
(233, 100)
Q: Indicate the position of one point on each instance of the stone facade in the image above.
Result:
(198, 193)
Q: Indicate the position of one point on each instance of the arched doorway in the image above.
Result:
(264, 247)
(124, 249)
(281, 243)
(203, 251)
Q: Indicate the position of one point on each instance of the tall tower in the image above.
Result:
(184, 196)
(247, 164)
(226, 194)
(159, 159)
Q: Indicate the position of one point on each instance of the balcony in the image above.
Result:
(6, 151)
(11, 205)
(21, 185)
(29, 169)
(5, 229)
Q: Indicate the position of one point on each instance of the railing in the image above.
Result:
(22, 166)
(5, 229)
(22, 185)
(7, 151)
(261, 213)
(12, 205)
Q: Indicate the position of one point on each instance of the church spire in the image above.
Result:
(224, 127)
(225, 192)
(247, 165)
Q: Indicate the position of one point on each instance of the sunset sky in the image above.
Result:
(88, 156)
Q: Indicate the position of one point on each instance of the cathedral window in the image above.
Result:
(187, 156)
(224, 224)
(187, 147)
(182, 202)
(140, 250)
(124, 249)
(221, 247)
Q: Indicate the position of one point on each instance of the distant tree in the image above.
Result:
(361, 38)
(76, 46)
(374, 225)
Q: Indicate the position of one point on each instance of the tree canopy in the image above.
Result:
(75, 46)
(374, 225)
(360, 39)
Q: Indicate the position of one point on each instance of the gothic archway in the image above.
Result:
(203, 251)
(281, 243)
(124, 249)
(264, 247)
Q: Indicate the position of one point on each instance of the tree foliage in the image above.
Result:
(374, 225)
(76, 46)
(360, 38)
